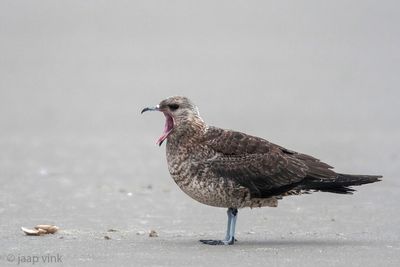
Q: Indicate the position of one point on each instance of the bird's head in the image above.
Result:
(181, 115)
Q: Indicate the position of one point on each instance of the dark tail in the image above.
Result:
(341, 184)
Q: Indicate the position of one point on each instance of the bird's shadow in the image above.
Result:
(279, 243)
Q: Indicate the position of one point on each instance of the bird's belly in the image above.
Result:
(221, 193)
(215, 192)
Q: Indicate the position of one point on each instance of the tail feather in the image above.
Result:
(340, 184)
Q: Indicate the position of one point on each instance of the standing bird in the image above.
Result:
(224, 168)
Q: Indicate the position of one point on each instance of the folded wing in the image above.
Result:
(264, 168)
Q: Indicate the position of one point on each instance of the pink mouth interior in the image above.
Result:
(169, 125)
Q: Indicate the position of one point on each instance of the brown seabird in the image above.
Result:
(224, 168)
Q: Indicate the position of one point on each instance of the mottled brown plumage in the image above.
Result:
(224, 168)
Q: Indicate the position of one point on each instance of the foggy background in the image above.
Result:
(320, 77)
(284, 70)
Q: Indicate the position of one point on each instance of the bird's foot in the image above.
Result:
(218, 242)
(214, 242)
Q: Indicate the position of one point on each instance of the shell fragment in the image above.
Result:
(40, 229)
(50, 229)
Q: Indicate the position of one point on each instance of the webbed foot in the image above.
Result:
(218, 242)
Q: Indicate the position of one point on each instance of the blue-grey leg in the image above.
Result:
(228, 227)
(230, 231)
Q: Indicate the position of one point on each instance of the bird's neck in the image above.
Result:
(188, 130)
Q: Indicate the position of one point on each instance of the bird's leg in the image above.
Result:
(230, 231)
(228, 227)
(233, 226)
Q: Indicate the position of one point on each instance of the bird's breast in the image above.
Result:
(194, 177)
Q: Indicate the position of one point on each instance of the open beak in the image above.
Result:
(169, 123)
(156, 108)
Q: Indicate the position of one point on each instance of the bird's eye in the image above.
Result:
(173, 107)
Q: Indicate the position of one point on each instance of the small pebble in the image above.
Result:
(153, 233)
